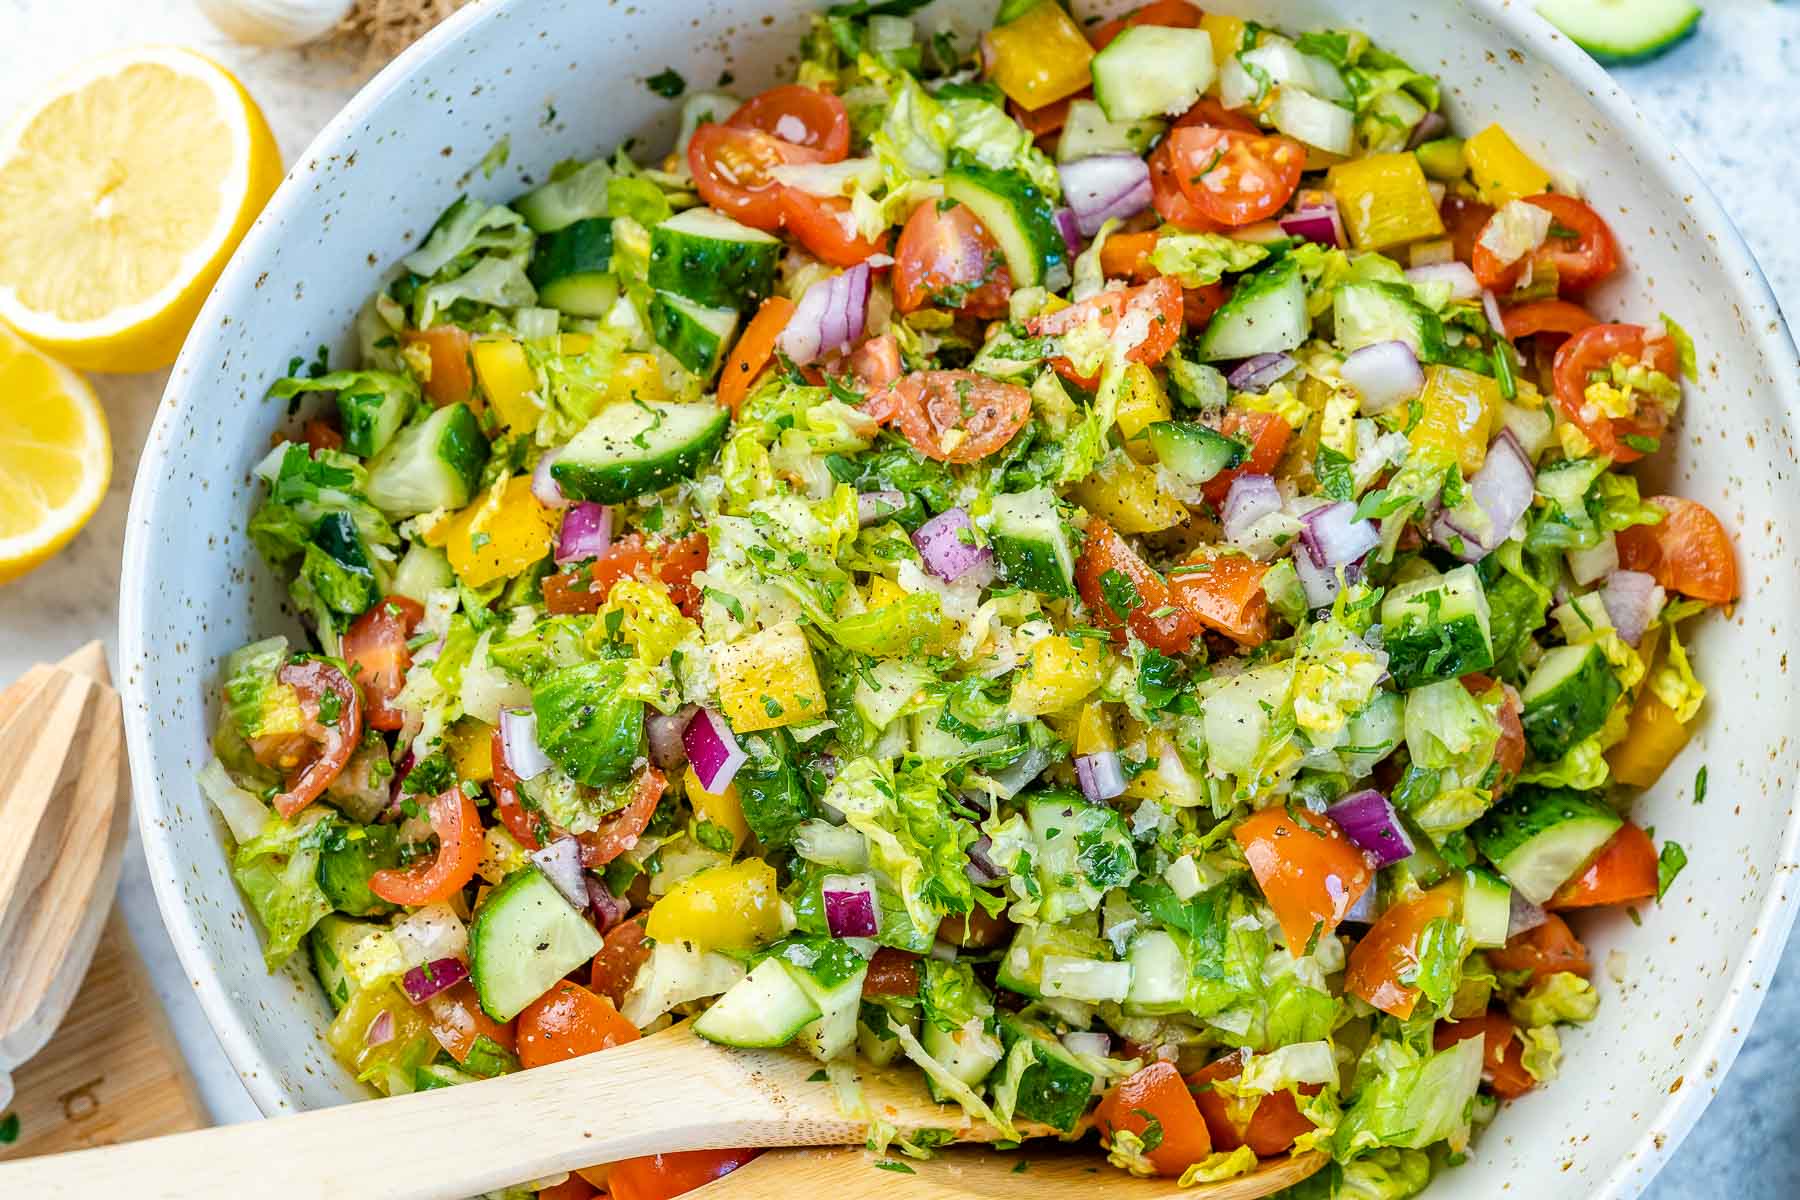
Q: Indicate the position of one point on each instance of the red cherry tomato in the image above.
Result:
(1274, 1123)
(800, 116)
(452, 376)
(1389, 952)
(892, 973)
(330, 739)
(1176, 14)
(1464, 219)
(732, 169)
(1235, 178)
(1687, 551)
(1623, 871)
(1156, 618)
(458, 827)
(1150, 314)
(1547, 950)
(1595, 349)
(567, 1022)
(1157, 1093)
(1171, 202)
(952, 416)
(823, 225)
(458, 1021)
(675, 563)
(320, 434)
(662, 1176)
(1209, 111)
(621, 955)
(876, 363)
(1227, 595)
(620, 833)
(1267, 435)
(1509, 752)
(524, 826)
(1580, 260)
(375, 651)
(1545, 316)
(1309, 872)
(1502, 1054)
(946, 257)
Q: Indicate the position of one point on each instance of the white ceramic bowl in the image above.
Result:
(564, 79)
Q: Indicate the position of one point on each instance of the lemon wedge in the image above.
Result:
(123, 191)
(55, 456)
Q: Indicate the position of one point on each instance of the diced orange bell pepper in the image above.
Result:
(496, 539)
(720, 908)
(447, 347)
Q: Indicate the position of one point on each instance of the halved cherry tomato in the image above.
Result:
(1041, 123)
(620, 833)
(1464, 219)
(1623, 871)
(622, 953)
(375, 651)
(567, 1022)
(1545, 316)
(1267, 435)
(457, 1020)
(1235, 178)
(1688, 551)
(1209, 111)
(1579, 261)
(1547, 950)
(1225, 592)
(458, 828)
(332, 737)
(1149, 314)
(1274, 1123)
(1157, 1093)
(1105, 566)
(876, 363)
(572, 1188)
(1391, 949)
(320, 434)
(1595, 349)
(1502, 1054)
(892, 973)
(452, 376)
(1176, 14)
(1171, 203)
(732, 169)
(945, 256)
(952, 416)
(753, 351)
(661, 1176)
(801, 116)
(1199, 304)
(675, 563)
(823, 225)
(529, 829)
(1309, 872)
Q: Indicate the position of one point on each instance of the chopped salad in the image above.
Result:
(1095, 568)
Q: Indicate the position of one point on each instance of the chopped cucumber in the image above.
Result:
(630, 449)
(1486, 907)
(882, 1048)
(434, 1075)
(1159, 974)
(1436, 628)
(1265, 315)
(1540, 837)
(839, 999)
(370, 419)
(1022, 967)
(1092, 981)
(329, 943)
(1619, 31)
(1566, 699)
(1083, 850)
(1192, 451)
(706, 257)
(1055, 1088)
(431, 464)
(930, 739)
(525, 937)
(1032, 543)
(1366, 313)
(1373, 733)
(422, 570)
(969, 1053)
(1087, 132)
(1442, 159)
(1020, 217)
(768, 1007)
(572, 268)
(695, 335)
(350, 854)
(577, 196)
(1153, 71)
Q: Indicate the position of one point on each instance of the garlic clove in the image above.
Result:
(275, 22)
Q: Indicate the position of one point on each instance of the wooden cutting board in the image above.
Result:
(113, 1072)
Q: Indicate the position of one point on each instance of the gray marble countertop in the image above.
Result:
(1726, 98)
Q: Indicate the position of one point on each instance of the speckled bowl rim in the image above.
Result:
(1762, 949)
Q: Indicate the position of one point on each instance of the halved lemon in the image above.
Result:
(123, 191)
(55, 456)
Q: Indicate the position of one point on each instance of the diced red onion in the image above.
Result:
(1251, 498)
(1596, 562)
(1523, 916)
(422, 983)
(518, 736)
(1490, 307)
(1318, 222)
(1260, 373)
(1080, 1041)
(949, 552)
(1070, 230)
(1334, 537)
(664, 735)
(1462, 281)
(1321, 584)
(560, 862)
(380, 1031)
(712, 750)
(1105, 186)
(1501, 491)
(1385, 373)
(1368, 819)
(1431, 125)
(850, 909)
(829, 317)
(944, 951)
(543, 484)
(981, 867)
(1632, 600)
(1100, 775)
(607, 908)
(586, 532)
(872, 507)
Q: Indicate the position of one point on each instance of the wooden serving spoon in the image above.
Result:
(670, 1091)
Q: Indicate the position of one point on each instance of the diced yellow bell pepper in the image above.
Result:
(509, 381)
(1126, 494)
(503, 532)
(574, 343)
(1059, 674)
(883, 592)
(1227, 34)
(1168, 779)
(636, 377)
(648, 618)
(1384, 201)
(472, 749)
(1654, 735)
(724, 809)
(1459, 410)
(721, 908)
(1041, 57)
(768, 679)
(1142, 403)
(1094, 729)
(1500, 170)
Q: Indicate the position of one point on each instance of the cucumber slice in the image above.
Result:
(768, 1007)
(1437, 628)
(1032, 543)
(1442, 159)
(1055, 1088)
(571, 268)
(833, 979)
(423, 570)
(874, 1039)
(1092, 981)
(1486, 907)
(1191, 450)
(577, 196)
(1083, 850)
(1366, 313)
(929, 739)
(349, 855)
(1022, 967)
(1088, 132)
(970, 1053)
(431, 464)
(1539, 837)
(630, 449)
(523, 939)
(1621, 31)
(434, 1075)
(1159, 974)
(1152, 71)
(695, 335)
(708, 258)
(370, 419)
(329, 943)
(1020, 217)
(1566, 699)
(1265, 315)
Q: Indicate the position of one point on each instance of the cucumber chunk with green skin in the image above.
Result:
(1032, 544)
(371, 417)
(1192, 451)
(572, 268)
(329, 944)
(1442, 159)
(422, 570)
(577, 196)
(832, 973)
(1019, 217)
(1022, 967)
(1486, 907)
(1437, 628)
(523, 938)
(434, 1075)
(1622, 31)
(695, 335)
(431, 464)
(768, 1007)
(1055, 1088)
(1540, 837)
(1366, 313)
(1083, 851)
(630, 449)
(349, 855)
(1265, 315)
(706, 257)
(970, 1053)
(1153, 71)
(1159, 974)
(1566, 699)
(1088, 132)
